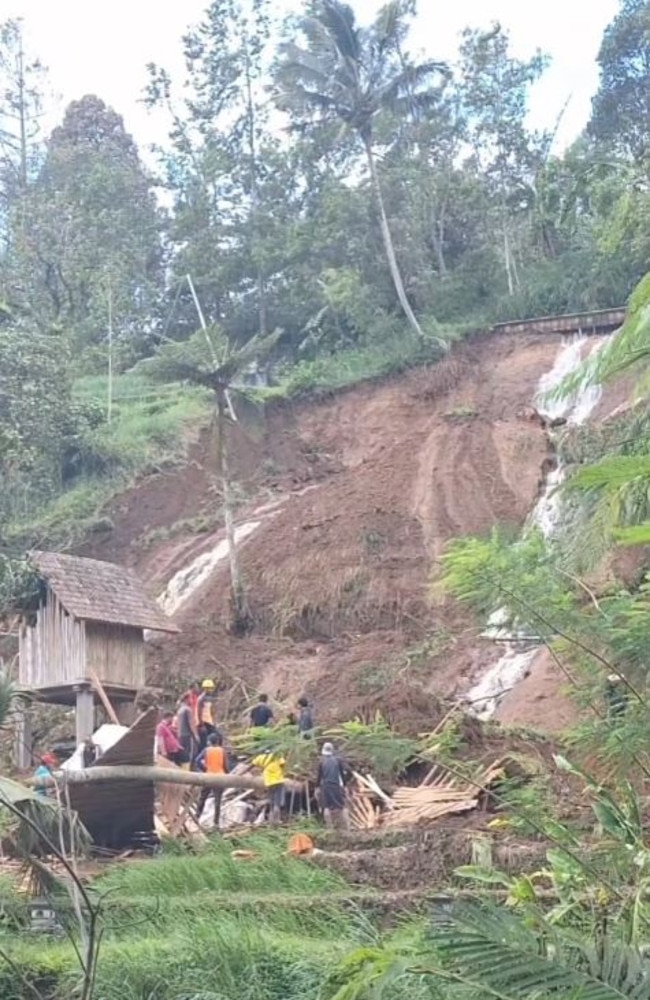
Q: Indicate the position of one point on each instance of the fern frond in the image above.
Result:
(502, 954)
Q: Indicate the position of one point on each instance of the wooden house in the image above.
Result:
(89, 626)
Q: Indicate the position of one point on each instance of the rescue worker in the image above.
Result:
(167, 743)
(305, 718)
(44, 770)
(331, 786)
(272, 766)
(616, 696)
(185, 727)
(262, 713)
(212, 760)
(205, 712)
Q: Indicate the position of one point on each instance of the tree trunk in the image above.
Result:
(142, 772)
(241, 618)
(388, 243)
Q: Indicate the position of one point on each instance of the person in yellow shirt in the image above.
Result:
(272, 767)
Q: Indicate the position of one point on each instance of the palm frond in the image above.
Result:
(338, 19)
(638, 534)
(612, 472)
(406, 85)
(40, 821)
(502, 954)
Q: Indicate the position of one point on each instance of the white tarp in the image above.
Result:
(104, 738)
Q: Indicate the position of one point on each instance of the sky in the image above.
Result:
(103, 46)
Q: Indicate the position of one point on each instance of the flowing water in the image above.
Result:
(520, 646)
(184, 583)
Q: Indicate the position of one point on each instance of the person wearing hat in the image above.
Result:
(616, 696)
(205, 709)
(331, 786)
(44, 770)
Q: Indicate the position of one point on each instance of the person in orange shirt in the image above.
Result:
(212, 760)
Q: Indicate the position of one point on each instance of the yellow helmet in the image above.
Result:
(207, 684)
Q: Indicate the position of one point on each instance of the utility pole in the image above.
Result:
(110, 351)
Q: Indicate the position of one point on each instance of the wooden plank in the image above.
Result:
(99, 688)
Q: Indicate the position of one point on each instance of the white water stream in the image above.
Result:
(184, 583)
(520, 646)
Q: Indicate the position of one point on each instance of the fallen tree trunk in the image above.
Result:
(160, 775)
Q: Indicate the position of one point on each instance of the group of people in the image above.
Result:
(190, 738)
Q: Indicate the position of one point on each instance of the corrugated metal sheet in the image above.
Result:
(100, 591)
(113, 812)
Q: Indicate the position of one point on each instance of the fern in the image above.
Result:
(505, 955)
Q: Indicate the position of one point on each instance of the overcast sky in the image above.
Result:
(102, 46)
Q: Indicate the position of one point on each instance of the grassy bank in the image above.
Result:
(149, 428)
(167, 937)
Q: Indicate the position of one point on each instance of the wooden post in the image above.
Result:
(126, 713)
(22, 735)
(85, 714)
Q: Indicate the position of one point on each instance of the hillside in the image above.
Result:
(347, 503)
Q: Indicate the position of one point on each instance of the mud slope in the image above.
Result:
(354, 497)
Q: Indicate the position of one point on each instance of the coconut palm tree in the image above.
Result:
(351, 74)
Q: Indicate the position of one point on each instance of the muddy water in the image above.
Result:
(520, 647)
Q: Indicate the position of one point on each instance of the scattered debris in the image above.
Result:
(436, 796)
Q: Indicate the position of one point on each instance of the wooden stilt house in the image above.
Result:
(89, 626)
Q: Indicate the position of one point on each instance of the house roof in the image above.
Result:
(100, 591)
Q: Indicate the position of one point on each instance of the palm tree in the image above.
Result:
(351, 75)
(209, 359)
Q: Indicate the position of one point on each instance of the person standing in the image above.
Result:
(212, 760)
(205, 712)
(305, 719)
(89, 753)
(331, 785)
(192, 695)
(616, 696)
(167, 743)
(272, 767)
(44, 770)
(261, 714)
(186, 729)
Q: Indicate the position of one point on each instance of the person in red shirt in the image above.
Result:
(212, 760)
(167, 742)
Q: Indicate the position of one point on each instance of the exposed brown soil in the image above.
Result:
(429, 858)
(366, 487)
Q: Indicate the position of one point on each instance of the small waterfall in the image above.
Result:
(520, 645)
(184, 583)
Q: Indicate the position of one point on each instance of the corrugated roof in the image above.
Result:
(112, 811)
(100, 591)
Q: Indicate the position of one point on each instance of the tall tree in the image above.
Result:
(21, 81)
(90, 244)
(621, 108)
(495, 90)
(222, 156)
(351, 74)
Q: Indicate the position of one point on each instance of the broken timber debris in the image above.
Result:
(436, 796)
